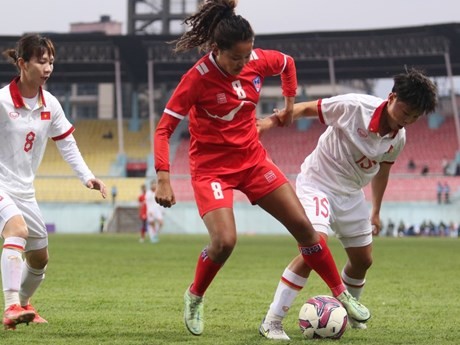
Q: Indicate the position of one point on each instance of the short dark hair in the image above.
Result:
(416, 90)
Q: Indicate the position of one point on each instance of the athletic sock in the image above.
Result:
(319, 258)
(354, 286)
(205, 272)
(11, 264)
(287, 290)
(31, 280)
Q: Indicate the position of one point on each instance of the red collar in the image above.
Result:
(375, 121)
(17, 97)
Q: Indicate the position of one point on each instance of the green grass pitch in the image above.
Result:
(111, 289)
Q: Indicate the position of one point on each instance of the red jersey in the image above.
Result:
(222, 112)
(142, 207)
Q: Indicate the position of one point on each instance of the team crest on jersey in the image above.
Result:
(270, 176)
(362, 133)
(257, 83)
(221, 98)
(13, 115)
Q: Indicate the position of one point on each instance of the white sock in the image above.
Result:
(354, 286)
(151, 232)
(287, 290)
(11, 264)
(31, 280)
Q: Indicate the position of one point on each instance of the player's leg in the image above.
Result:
(36, 256)
(214, 199)
(151, 229)
(354, 272)
(284, 205)
(292, 281)
(14, 232)
(294, 278)
(354, 230)
(143, 230)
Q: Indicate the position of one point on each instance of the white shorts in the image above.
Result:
(345, 215)
(11, 206)
(154, 213)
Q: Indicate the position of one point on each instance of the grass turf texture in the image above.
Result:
(111, 289)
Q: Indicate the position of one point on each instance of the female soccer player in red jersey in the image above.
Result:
(29, 116)
(220, 93)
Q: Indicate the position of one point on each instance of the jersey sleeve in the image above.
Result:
(276, 63)
(336, 111)
(60, 125)
(163, 132)
(183, 98)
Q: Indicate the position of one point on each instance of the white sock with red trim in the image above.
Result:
(11, 264)
(287, 290)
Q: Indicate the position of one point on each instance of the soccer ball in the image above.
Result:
(322, 317)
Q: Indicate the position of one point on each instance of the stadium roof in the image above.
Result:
(349, 54)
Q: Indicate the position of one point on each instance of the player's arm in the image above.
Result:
(71, 154)
(378, 186)
(302, 109)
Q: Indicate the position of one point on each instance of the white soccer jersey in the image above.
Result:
(24, 133)
(154, 210)
(348, 153)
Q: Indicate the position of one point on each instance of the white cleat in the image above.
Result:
(356, 325)
(273, 330)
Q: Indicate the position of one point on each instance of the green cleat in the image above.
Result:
(355, 310)
(193, 313)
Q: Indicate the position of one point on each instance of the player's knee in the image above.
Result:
(224, 247)
(15, 227)
(365, 262)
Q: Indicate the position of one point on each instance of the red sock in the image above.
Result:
(319, 258)
(205, 272)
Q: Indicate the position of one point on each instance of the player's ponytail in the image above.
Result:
(30, 45)
(215, 22)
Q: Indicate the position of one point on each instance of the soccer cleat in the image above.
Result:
(355, 310)
(15, 314)
(193, 313)
(37, 318)
(273, 330)
(356, 324)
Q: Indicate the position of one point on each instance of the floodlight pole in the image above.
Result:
(453, 98)
(150, 72)
(121, 149)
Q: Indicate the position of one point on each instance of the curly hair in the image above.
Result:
(215, 23)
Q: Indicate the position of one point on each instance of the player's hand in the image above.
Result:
(284, 116)
(376, 229)
(266, 123)
(97, 184)
(164, 195)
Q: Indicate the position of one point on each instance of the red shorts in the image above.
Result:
(213, 192)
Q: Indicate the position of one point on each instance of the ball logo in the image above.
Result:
(13, 115)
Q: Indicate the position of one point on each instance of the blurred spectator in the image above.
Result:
(114, 194)
(142, 212)
(439, 190)
(445, 166)
(425, 170)
(411, 166)
(401, 228)
(446, 191)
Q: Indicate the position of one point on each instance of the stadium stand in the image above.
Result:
(56, 181)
